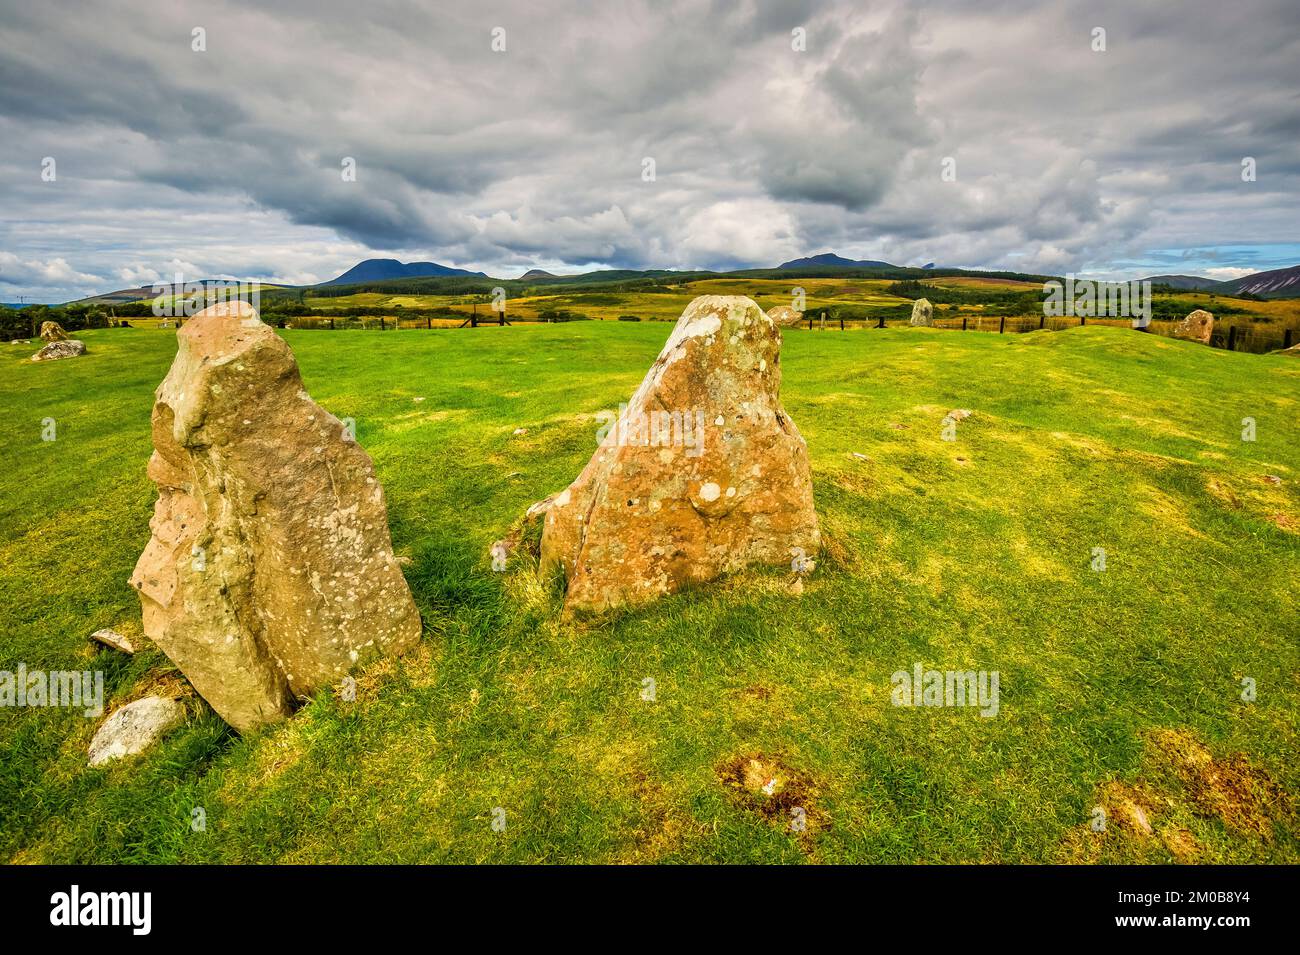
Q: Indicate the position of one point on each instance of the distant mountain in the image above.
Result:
(1277, 283)
(377, 270)
(831, 260)
(1182, 281)
(143, 292)
(538, 274)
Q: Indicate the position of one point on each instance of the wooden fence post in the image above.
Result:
(1042, 319)
(841, 321)
(1232, 337)
(428, 320)
(963, 323)
(1002, 324)
(331, 324)
(1286, 338)
(882, 322)
(382, 327)
(1083, 320)
(810, 321)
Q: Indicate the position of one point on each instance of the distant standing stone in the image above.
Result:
(53, 332)
(64, 348)
(784, 316)
(1196, 327)
(134, 728)
(922, 313)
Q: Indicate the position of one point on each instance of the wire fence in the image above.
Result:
(1253, 337)
(1228, 333)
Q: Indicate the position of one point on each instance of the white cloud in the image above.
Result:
(48, 273)
(1226, 273)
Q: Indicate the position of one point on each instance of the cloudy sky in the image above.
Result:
(227, 161)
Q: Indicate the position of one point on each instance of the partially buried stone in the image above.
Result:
(134, 728)
(113, 639)
(63, 348)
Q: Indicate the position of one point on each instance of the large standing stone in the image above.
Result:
(60, 348)
(922, 313)
(1196, 327)
(53, 332)
(270, 571)
(703, 473)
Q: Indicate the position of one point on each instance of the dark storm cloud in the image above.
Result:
(228, 160)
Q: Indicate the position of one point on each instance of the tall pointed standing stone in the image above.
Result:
(270, 571)
(922, 313)
(703, 472)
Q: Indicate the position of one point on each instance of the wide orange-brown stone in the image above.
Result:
(703, 472)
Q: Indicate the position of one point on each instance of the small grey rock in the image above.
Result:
(111, 638)
(134, 728)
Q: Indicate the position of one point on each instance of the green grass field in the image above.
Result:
(1119, 688)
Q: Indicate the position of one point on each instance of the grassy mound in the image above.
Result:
(971, 554)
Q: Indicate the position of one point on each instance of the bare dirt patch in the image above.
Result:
(1244, 796)
(1222, 493)
(1182, 845)
(766, 785)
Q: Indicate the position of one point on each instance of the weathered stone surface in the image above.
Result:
(270, 571)
(1196, 327)
(53, 332)
(785, 315)
(134, 728)
(703, 473)
(922, 313)
(111, 638)
(63, 348)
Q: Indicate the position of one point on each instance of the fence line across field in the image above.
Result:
(1233, 337)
